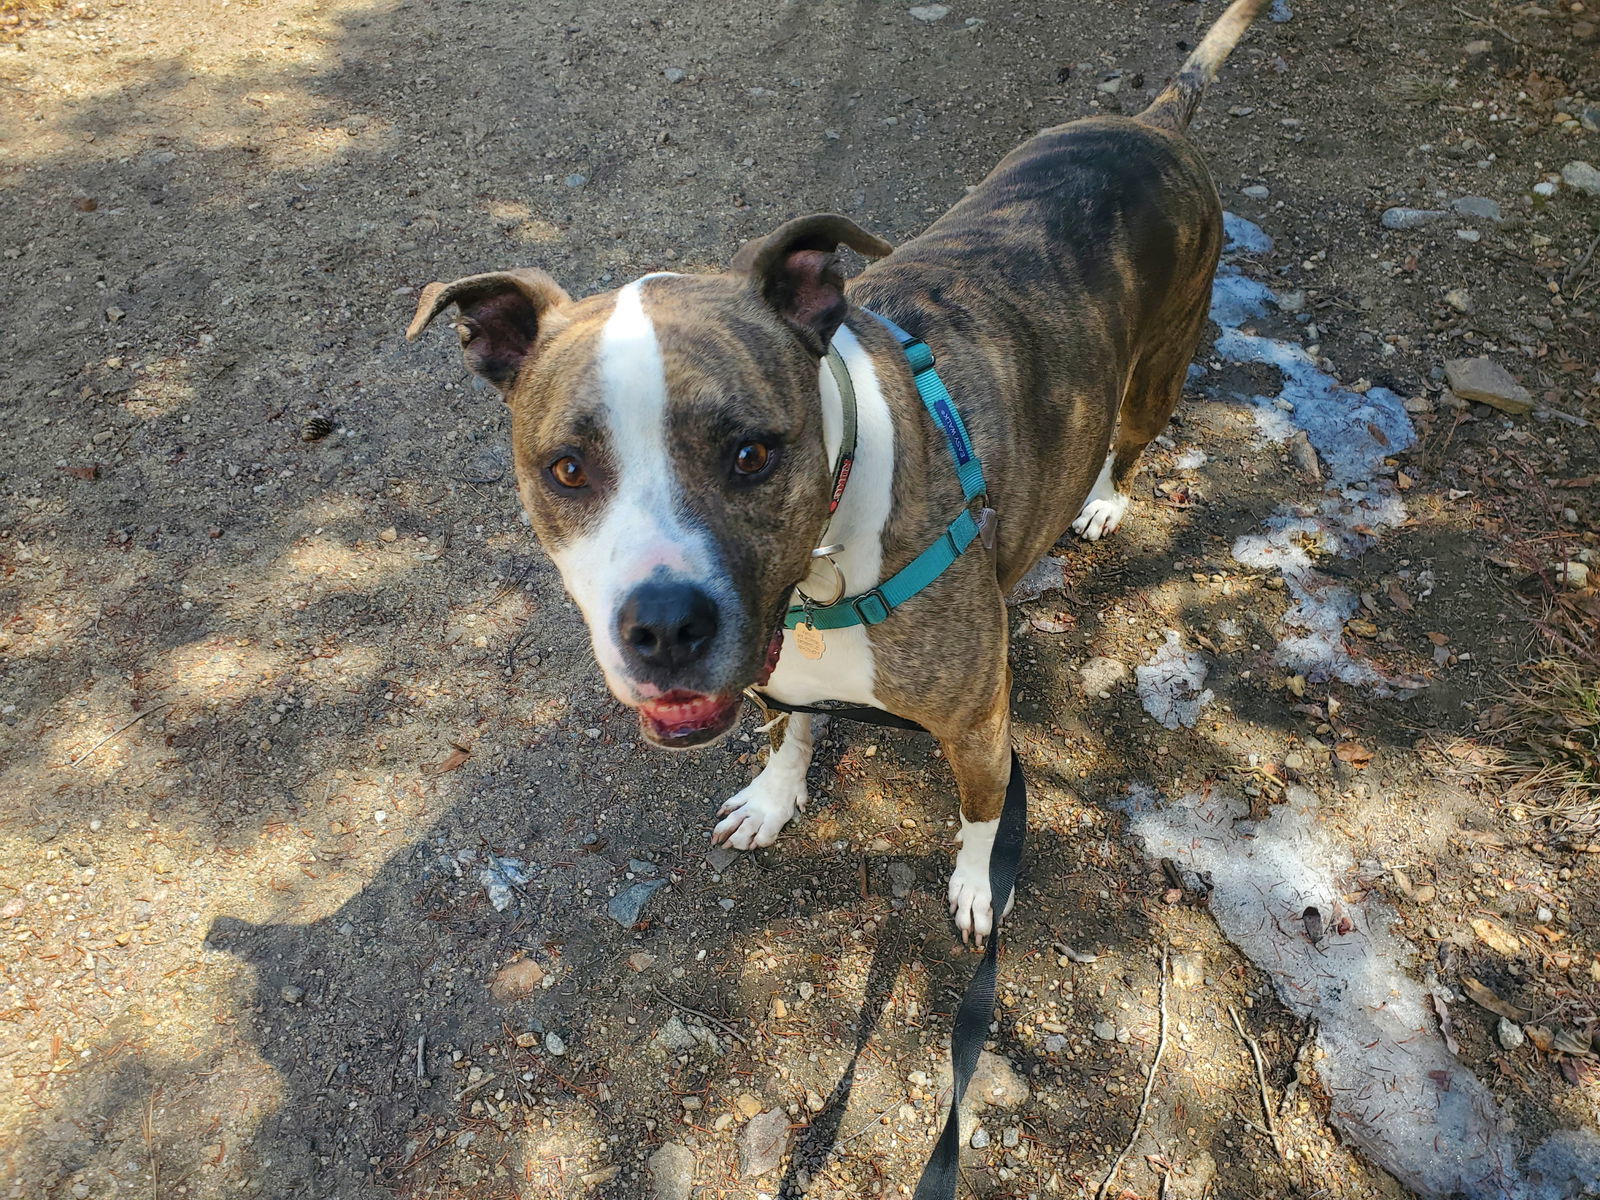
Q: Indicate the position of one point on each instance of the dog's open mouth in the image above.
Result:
(681, 719)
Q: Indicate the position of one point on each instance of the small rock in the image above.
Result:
(672, 1169)
(995, 1082)
(1582, 176)
(627, 905)
(640, 961)
(1543, 915)
(527, 1041)
(1589, 118)
(1544, 189)
(1459, 299)
(291, 994)
(1189, 970)
(1105, 1031)
(1469, 235)
(1010, 1137)
(1055, 1044)
(1487, 382)
(1102, 674)
(1294, 761)
(1424, 893)
(576, 180)
(1476, 206)
(516, 980)
(762, 1142)
(902, 879)
(747, 1105)
(389, 534)
(640, 867)
(930, 12)
(726, 903)
(980, 1138)
(1111, 85)
(554, 1045)
(1574, 576)
(1256, 191)
(674, 1035)
(1409, 218)
(1291, 302)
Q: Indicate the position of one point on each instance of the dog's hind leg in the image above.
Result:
(754, 816)
(1155, 386)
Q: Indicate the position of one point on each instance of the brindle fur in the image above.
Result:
(1063, 297)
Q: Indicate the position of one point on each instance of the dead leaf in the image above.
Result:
(1404, 480)
(1397, 596)
(89, 472)
(1061, 623)
(1076, 956)
(1570, 1041)
(1439, 639)
(453, 760)
(1361, 627)
(1486, 997)
(1312, 918)
(1354, 753)
(1496, 936)
(1543, 1039)
(1445, 1026)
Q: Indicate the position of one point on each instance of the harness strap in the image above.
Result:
(874, 606)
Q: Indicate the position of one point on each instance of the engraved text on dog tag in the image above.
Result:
(808, 640)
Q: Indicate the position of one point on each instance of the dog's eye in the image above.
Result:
(751, 458)
(568, 472)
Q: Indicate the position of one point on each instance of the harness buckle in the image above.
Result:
(918, 355)
(871, 607)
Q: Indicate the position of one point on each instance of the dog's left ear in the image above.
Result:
(796, 270)
(502, 315)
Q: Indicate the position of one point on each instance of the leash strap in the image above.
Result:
(847, 439)
(976, 1011)
(874, 606)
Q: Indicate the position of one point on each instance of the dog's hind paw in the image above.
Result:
(755, 816)
(1101, 516)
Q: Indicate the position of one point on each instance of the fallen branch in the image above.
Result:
(1149, 1085)
(1261, 1082)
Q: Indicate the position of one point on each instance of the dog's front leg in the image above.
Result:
(979, 753)
(754, 816)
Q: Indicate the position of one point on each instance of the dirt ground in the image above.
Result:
(270, 705)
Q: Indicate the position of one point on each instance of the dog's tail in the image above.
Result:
(1175, 106)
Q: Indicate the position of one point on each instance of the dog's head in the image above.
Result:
(668, 445)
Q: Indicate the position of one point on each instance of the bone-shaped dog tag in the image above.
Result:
(808, 640)
(988, 520)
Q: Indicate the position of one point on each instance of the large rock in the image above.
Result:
(762, 1142)
(628, 905)
(1582, 176)
(672, 1169)
(1487, 382)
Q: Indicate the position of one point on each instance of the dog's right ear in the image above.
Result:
(502, 315)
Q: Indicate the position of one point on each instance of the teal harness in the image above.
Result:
(874, 606)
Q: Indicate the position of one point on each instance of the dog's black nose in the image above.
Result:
(667, 625)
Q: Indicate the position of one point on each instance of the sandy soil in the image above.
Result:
(270, 704)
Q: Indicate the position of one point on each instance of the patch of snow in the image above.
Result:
(1170, 684)
(501, 877)
(1243, 235)
(1191, 459)
(1403, 1097)
(1352, 432)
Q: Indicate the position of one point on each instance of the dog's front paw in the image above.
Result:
(971, 902)
(1101, 516)
(755, 815)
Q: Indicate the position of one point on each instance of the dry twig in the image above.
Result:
(1261, 1081)
(1149, 1086)
(118, 731)
(707, 1017)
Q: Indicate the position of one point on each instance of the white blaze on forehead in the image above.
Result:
(641, 529)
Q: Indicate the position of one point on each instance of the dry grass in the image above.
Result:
(1418, 89)
(1548, 728)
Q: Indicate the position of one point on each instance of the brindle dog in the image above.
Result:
(674, 440)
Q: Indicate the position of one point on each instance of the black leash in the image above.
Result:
(976, 1010)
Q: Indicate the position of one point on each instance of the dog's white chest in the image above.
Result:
(845, 671)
